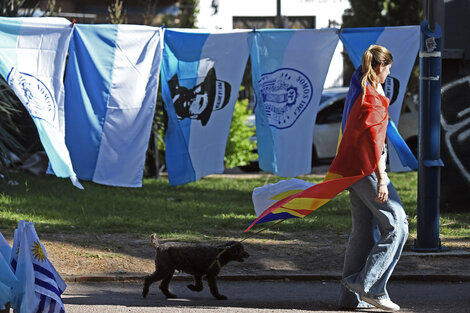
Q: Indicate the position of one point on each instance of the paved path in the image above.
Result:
(258, 296)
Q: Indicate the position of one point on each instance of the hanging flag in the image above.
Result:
(39, 286)
(403, 43)
(358, 154)
(289, 68)
(32, 60)
(111, 87)
(201, 76)
(7, 277)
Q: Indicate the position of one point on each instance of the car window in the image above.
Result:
(332, 113)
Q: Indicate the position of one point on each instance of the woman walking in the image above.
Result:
(373, 199)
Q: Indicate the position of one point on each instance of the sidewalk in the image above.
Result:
(450, 266)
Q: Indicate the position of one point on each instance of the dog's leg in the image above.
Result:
(198, 283)
(150, 279)
(213, 287)
(165, 283)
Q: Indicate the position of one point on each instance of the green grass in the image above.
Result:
(209, 207)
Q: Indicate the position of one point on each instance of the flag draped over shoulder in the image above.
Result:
(359, 151)
(32, 60)
(201, 75)
(289, 68)
(403, 43)
(111, 88)
(39, 286)
(7, 277)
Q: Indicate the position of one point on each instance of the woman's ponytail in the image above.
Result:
(374, 56)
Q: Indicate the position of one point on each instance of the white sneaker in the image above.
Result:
(384, 304)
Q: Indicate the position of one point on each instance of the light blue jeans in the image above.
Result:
(368, 264)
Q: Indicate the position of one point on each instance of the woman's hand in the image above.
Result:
(382, 193)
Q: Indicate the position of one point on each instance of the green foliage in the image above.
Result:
(209, 207)
(188, 10)
(379, 13)
(117, 15)
(239, 146)
(8, 130)
(52, 8)
(366, 13)
(13, 8)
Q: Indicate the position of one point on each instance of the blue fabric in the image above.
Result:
(92, 47)
(355, 89)
(407, 157)
(267, 55)
(357, 40)
(181, 54)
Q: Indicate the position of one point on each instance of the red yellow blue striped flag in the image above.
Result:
(360, 146)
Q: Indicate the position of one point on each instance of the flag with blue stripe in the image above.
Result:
(32, 60)
(111, 87)
(403, 43)
(39, 287)
(7, 277)
(289, 68)
(201, 76)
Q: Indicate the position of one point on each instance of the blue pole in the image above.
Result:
(429, 136)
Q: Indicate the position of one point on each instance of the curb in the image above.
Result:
(268, 277)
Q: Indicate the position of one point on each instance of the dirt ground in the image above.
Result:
(321, 254)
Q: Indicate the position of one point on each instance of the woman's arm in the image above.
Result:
(382, 179)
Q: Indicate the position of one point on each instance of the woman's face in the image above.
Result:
(382, 72)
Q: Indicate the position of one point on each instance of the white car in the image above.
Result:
(327, 124)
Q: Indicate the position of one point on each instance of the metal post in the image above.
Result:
(430, 163)
(279, 21)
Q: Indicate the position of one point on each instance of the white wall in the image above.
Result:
(323, 10)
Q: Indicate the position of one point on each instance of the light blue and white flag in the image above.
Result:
(403, 43)
(39, 286)
(32, 60)
(7, 277)
(289, 68)
(201, 76)
(111, 89)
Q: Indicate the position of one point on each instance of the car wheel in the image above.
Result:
(315, 160)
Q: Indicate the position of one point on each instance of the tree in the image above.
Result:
(117, 15)
(10, 106)
(370, 13)
(380, 13)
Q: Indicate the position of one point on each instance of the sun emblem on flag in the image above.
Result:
(38, 253)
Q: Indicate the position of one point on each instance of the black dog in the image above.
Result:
(195, 259)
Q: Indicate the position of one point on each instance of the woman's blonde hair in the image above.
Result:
(375, 55)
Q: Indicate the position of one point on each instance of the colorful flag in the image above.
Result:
(289, 68)
(201, 76)
(32, 60)
(358, 154)
(39, 287)
(403, 43)
(111, 88)
(7, 277)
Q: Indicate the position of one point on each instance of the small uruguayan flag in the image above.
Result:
(39, 287)
(289, 68)
(111, 89)
(32, 60)
(7, 277)
(201, 76)
(403, 43)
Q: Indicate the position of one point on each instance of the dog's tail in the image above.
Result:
(154, 240)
